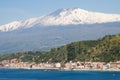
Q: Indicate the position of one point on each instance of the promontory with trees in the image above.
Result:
(106, 49)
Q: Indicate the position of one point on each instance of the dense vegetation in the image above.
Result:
(106, 49)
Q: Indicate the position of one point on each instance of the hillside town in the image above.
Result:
(102, 66)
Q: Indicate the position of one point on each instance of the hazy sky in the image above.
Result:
(11, 10)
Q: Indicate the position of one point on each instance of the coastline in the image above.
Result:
(68, 66)
(57, 69)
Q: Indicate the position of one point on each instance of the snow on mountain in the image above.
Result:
(11, 26)
(63, 17)
(78, 16)
(19, 24)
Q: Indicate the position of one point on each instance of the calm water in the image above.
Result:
(12, 74)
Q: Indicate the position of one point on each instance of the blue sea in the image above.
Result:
(19, 74)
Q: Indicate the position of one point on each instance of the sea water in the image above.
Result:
(21, 74)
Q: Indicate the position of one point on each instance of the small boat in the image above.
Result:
(49, 70)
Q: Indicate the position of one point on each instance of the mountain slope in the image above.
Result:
(105, 49)
(73, 16)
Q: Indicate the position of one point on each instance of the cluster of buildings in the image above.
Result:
(15, 63)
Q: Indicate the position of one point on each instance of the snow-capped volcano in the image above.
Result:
(73, 16)
(55, 29)
(78, 16)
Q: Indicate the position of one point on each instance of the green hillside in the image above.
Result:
(106, 49)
